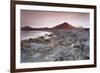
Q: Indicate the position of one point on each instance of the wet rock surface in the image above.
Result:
(61, 45)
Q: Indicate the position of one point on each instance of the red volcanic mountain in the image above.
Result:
(64, 26)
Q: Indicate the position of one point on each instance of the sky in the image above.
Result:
(41, 19)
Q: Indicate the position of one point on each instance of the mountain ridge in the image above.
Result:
(64, 25)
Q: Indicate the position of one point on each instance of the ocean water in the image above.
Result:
(33, 34)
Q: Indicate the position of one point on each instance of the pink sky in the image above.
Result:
(38, 19)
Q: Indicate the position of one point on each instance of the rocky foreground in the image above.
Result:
(61, 45)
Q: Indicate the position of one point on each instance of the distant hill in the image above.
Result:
(28, 28)
(64, 25)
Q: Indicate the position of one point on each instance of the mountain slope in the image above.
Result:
(64, 26)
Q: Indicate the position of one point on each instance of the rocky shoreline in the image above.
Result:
(61, 45)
